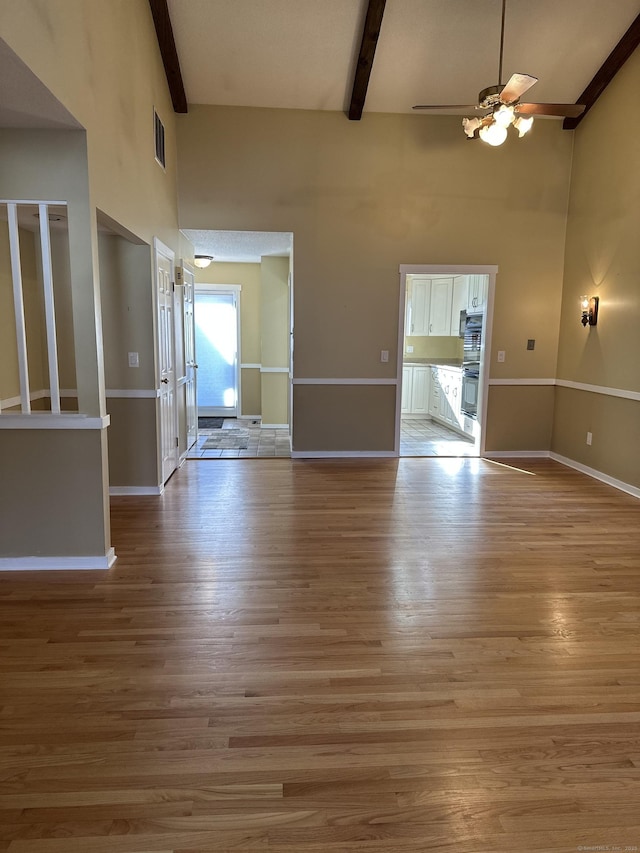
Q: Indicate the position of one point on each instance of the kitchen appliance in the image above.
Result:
(470, 381)
(471, 333)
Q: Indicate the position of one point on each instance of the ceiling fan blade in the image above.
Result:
(516, 86)
(445, 107)
(568, 110)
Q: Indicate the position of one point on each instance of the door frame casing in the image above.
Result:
(490, 270)
(237, 290)
(185, 268)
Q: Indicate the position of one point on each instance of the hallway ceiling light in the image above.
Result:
(202, 261)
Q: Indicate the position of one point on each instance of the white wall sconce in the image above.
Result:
(202, 261)
(589, 310)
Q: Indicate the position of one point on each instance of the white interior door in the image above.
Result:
(166, 361)
(191, 410)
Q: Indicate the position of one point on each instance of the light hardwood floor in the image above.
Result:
(412, 655)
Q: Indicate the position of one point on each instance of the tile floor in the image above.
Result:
(424, 437)
(418, 437)
(262, 442)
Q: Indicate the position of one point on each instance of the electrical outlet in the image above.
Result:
(409, 348)
(501, 355)
(134, 360)
(589, 438)
(384, 355)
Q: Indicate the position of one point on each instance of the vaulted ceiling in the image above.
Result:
(302, 53)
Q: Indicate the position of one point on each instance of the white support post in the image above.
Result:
(49, 308)
(18, 301)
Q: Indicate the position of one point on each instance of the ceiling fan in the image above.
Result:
(502, 107)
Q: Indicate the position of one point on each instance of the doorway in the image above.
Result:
(444, 331)
(244, 382)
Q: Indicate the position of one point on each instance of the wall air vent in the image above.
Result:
(158, 129)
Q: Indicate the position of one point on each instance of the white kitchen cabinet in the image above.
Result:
(419, 300)
(477, 294)
(459, 303)
(446, 396)
(440, 308)
(420, 390)
(407, 389)
(415, 389)
(434, 393)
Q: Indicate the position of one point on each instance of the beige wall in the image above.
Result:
(425, 346)
(275, 312)
(353, 417)
(603, 259)
(126, 288)
(133, 460)
(363, 197)
(61, 268)
(50, 496)
(614, 424)
(275, 339)
(251, 389)
(522, 417)
(275, 393)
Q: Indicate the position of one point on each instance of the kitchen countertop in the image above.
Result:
(434, 362)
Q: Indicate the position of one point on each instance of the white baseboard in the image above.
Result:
(116, 491)
(344, 454)
(44, 564)
(597, 475)
(516, 454)
(273, 426)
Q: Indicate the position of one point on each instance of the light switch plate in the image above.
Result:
(501, 355)
(384, 355)
(134, 360)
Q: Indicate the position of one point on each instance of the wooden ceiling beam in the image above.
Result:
(370, 34)
(608, 70)
(167, 45)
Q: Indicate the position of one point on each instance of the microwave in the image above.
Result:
(470, 323)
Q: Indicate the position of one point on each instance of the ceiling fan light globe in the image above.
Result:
(470, 126)
(494, 134)
(523, 125)
(504, 116)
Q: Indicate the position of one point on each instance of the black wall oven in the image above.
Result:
(471, 333)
